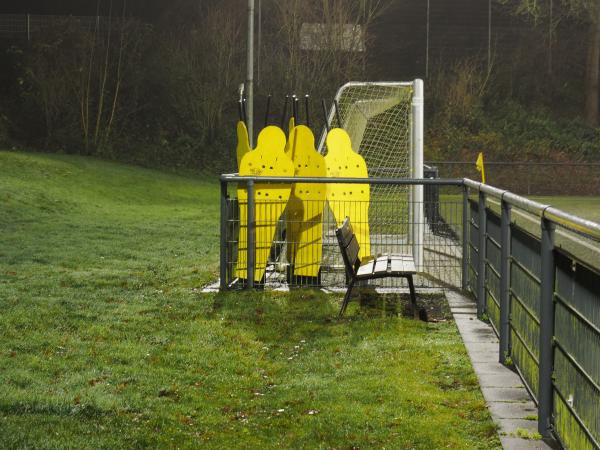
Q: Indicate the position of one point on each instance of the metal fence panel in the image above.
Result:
(525, 304)
(278, 242)
(492, 273)
(577, 353)
(473, 245)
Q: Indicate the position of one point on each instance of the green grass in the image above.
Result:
(585, 249)
(108, 343)
(585, 207)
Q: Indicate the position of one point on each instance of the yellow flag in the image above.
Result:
(480, 167)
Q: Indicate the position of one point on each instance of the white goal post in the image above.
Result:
(385, 122)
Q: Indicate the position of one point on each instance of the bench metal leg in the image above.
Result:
(346, 298)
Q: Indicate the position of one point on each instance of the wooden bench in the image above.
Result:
(382, 266)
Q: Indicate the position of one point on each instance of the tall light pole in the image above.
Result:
(250, 74)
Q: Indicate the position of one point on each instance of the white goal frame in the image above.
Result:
(416, 124)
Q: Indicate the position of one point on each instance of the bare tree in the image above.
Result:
(588, 12)
(204, 62)
(317, 44)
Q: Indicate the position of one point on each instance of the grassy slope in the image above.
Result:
(107, 343)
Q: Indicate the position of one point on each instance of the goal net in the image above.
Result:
(385, 122)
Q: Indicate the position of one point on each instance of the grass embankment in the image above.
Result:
(585, 207)
(107, 343)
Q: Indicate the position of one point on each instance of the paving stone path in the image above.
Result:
(509, 402)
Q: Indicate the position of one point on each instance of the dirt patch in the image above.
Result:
(431, 307)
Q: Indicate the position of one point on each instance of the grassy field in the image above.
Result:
(108, 343)
(586, 207)
(582, 247)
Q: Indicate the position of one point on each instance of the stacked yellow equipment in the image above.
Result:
(276, 157)
(305, 208)
(268, 159)
(243, 143)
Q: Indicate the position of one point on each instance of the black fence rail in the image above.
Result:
(529, 178)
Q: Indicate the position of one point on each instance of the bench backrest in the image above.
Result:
(349, 247)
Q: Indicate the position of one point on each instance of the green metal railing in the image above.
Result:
(543, 300)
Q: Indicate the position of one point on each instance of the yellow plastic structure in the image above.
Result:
(305, 207)
(348, 200)
(268, 159)
(288, 145)
(243, 142)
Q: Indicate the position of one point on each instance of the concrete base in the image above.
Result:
(508, 401)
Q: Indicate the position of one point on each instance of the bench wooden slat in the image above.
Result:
(381, 264)
(366, 269)
(352, 251)
(402, 263)
(381, 267)
(345, 233)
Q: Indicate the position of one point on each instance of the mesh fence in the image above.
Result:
(294, 252)
(576, 403)
(377, 116)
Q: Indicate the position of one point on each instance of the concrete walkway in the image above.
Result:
(507, 399)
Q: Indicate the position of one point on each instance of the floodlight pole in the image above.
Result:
(250, 73)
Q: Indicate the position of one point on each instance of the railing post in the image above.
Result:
(223, 237)
(465, 239)
(546, 328)
(251, 234)
(481, 297)
(504, 281)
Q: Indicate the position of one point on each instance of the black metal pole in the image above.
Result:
(223, 244)
(245, 120)
(306, 107)
(324, 106)
(284, 112)
(546, 329)
(465, 240)
(241, 111)
(481, 297)
(337, 113)
(268, 110)
(251, 234)
(295, 109)
(504, 330)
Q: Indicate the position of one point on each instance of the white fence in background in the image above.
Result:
(25, 26)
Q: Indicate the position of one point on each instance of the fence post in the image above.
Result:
(465, 238)
(504, 281)
(223, 237)
(28, 27)
(481, 297)
(251, 234)
(546, 328)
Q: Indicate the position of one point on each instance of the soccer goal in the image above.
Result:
(385, 122)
